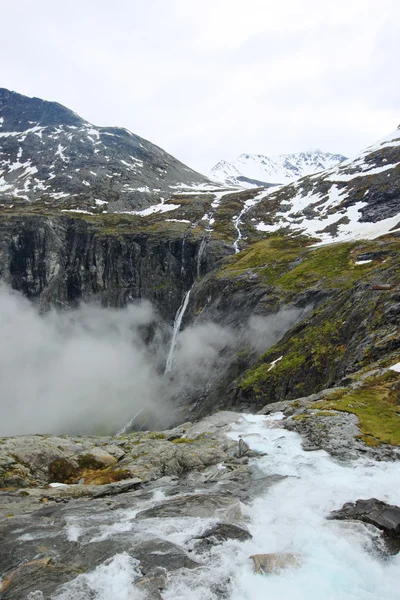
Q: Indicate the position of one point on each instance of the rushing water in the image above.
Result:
(236, 224)
(200, 253)
(177, 326)
(338, 558)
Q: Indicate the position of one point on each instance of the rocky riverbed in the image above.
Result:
(200, 507)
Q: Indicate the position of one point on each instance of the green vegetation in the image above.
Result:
(62, 470)
(376, 404)
(182, 440)
(290, 263)
(87, 461)
(103, 476)
(154, 435)
(312, 351)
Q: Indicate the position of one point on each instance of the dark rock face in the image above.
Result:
(61, 261)
(48, 152)
(375, 512)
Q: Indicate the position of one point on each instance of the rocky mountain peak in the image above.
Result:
(48, 154)
(20, 113)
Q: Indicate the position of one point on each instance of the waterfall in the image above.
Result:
(182, 309)
(202, 247)
(183, 270)
(236, 223)
(177, 325)
(128, 425)
(247, 205)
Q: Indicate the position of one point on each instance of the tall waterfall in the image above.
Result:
(177, 325)
(202, 247)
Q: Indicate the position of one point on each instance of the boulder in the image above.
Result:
(102, 457)
(273, 562)
(221, 533)
(385, 517)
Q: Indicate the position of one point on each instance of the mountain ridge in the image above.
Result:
(47, 151)
(279, 169)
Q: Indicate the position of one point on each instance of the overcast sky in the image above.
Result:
(211, 79)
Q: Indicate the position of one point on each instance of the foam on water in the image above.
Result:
(112, 580)
(339, 562)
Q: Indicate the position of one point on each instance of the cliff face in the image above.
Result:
(60, 261)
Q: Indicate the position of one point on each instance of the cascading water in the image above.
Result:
(177, 325)
(202, 248)
(236, 223)
(128, 425)
(247, 205)
(337, 559)
(183, 268)
(182, 309)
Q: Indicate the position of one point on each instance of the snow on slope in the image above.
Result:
(251, 169)
(49, 154)
(358, 199)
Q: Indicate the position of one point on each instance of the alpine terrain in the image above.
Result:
(199, 378)
(252, 170)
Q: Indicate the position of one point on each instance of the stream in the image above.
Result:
(338, 561)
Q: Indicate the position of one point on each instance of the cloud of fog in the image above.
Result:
(91, 369)
(80, 371)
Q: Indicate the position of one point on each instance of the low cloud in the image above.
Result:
(91, 369)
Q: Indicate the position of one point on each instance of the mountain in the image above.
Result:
(357, 199)
(48, 152)
(255, 169)
(277, 321)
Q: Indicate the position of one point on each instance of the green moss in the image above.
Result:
(155, 435)
(182, 440)
(376, 404)
(87, 461)
(270, 258)
(104, 476)
(314, 348)
(62, 470)
(292, 265)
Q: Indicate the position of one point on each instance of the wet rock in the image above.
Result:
(271, 563)
(160, 553)
(36, 575)
(243, 449)
(199, 505)
(385, 517)
(338, 434)
(221, 533)
(273, 407)
(155, 578)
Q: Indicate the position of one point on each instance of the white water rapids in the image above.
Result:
(338, 562)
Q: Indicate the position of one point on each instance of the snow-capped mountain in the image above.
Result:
(360, 198)
(252, 170)
(49, 153)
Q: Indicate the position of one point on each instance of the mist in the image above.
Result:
(89, 370)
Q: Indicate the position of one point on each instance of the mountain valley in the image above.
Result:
(209, 353)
